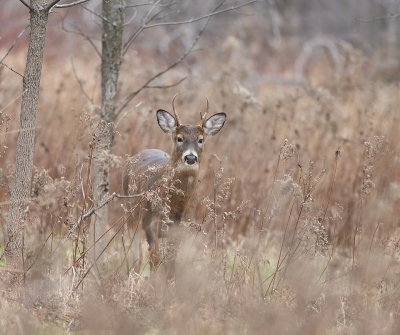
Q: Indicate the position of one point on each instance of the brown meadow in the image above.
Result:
(295, 226)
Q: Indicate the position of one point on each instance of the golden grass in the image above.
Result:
(295, 229)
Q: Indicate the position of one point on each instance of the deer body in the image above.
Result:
(169, 180)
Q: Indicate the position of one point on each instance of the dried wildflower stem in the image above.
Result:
(130, 244)
(88, 181)
(125, 260)
(83, 254)
(11, 270)
(215, 188)
(356, 229)
(279, 262)
(97, 256)
(106, 232)
(326, 210)
(40, 251)
(268, 206)
(370, 249)
(331, 184)
(94, 209)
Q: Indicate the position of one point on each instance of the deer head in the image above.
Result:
(189, 139)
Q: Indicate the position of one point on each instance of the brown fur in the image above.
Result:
(168, 182)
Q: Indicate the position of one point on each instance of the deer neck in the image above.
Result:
(185, 176)
(183, 185)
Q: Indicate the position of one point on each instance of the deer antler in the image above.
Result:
(203, 117)
(178, 121)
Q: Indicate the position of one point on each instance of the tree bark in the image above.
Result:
(21, 187)
(113, 24)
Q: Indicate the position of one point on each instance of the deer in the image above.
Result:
(171, 178)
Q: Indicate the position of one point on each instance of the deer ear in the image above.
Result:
(214, 124)
(166, 121)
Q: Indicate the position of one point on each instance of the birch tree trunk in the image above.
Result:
(113, 24)
(21, 188)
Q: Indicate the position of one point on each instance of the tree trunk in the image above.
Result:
(113, 24)
(21, 187)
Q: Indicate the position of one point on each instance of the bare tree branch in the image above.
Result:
(95, 14)
(128, 98)
(11, 69)
(175, 23)
(149, 86)
(378, 18)
(139, 5)
(53, 3)
(8, 269)
(80, 33)
(14, 43)
(71, 4)
(148, 19)
(124, 102)
(130, 40)
(80, 82)
(26, 5)
(93, 210)
(127, 22)
(10, 49)
(167, 86)
(8, 105)
(124, 115)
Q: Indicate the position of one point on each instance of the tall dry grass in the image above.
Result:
(294, 229)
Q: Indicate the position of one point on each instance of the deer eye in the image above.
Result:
(179, 139)
(201, 140)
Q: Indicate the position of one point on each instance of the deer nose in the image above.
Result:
(190, 159)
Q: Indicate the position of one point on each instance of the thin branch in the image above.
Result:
(10, 49)
(140, 29)
(128, 98)
(129, 21)
(139, 5)
(80, 33)
(158, 16)
(96, 14)
(93, 210)
(26, 5)
(11, 69)
(198, 18)
(52, 4)
(8, 105)
(87, 38)
(124, 115)
(14, 43)
(11, 270)
(378, 18)
(71, 4)
(80, 82)
(147, 19)
(167, 86)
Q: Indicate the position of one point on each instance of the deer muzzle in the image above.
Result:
(190, 159)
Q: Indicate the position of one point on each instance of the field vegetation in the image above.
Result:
(295, 227)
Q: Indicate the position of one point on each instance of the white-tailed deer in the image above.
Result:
(168, 181)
